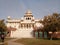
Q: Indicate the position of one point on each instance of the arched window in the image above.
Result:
(21, 25)
(27, 25)
(33, 25)
(28, 18)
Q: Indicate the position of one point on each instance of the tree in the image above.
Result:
(51, 22)
(3, 27)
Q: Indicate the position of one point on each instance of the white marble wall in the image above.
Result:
(22, 33)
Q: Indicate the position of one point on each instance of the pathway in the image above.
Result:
(11, 42)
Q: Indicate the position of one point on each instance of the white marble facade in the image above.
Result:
(24, 26)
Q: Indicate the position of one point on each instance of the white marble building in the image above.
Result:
(24, 26)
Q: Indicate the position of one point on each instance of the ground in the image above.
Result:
(5, 41)
(32, 41)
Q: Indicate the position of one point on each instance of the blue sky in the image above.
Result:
(17, 8)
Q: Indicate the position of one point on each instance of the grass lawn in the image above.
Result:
(33, 41)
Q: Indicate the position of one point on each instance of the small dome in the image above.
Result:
(8, 17)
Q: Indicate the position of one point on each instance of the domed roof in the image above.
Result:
(28, 13)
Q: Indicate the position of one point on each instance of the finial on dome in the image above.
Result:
(28, 11)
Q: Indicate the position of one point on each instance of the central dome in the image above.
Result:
(28, 13)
